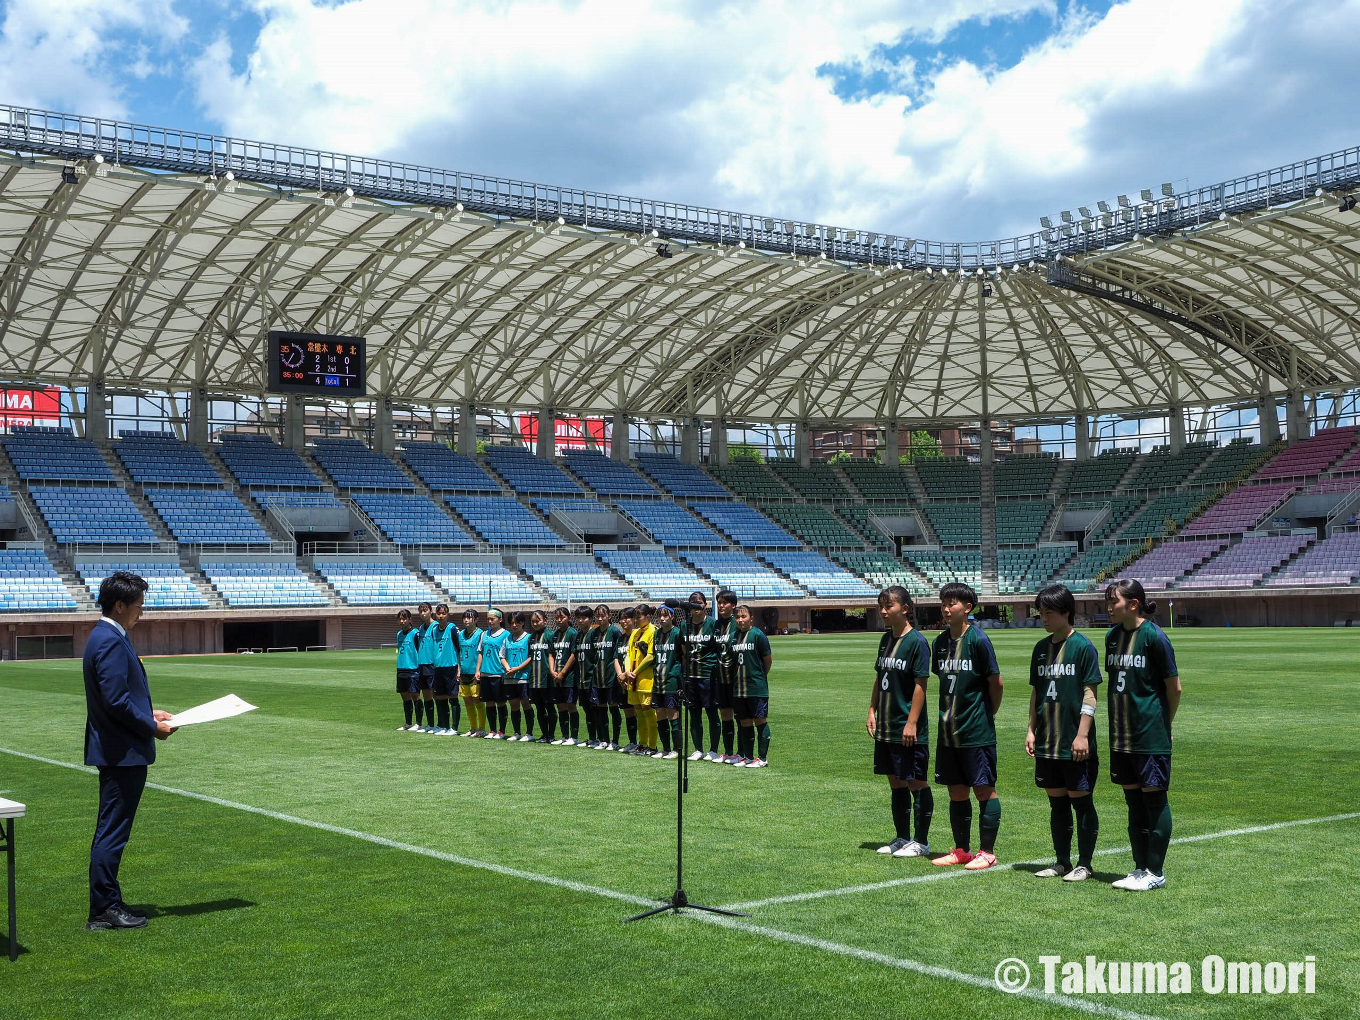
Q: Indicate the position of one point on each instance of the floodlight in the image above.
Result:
(1066, 216)
(788, 226)
(1168, 190)
(1045, 222)
(654, 232)
(769, 223)
(1103, 206)
(851, 236)
(890, 241)
(1146, 194)
(1106, 219)
(809, 230)
(1124, 202)
(458, 207)
(561, 222)
(741, 244)
(1085, 212)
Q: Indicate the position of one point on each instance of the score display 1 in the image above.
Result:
(316, 363)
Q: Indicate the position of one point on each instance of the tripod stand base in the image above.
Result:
(679, 901)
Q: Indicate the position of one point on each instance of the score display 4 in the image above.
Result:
(316, 363)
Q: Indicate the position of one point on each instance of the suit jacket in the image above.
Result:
(119, 729)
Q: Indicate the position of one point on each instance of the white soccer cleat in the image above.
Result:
(450, 732)
(1056, 871)
(696, 756)
(569, 742)
(913, 849)
(894, 846)
(1147, 882)
(402, 728)
(1078, 874)
(1129, 880)
(559, 741)
(671, 755)
(710, 756)
(757, 763)
(738, 761)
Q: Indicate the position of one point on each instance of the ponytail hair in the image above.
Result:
(901, 596)
(1130, 590)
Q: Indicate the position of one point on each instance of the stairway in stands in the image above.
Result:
(988, 512)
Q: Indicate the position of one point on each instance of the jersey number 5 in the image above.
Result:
(1119, 683)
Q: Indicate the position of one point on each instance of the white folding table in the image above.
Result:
(10, 810)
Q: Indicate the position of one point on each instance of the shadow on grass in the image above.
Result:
(4, 950)
(1105, 877)
(192, 909)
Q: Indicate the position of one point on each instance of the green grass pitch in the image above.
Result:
(259, 916)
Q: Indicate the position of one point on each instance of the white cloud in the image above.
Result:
(66, 54)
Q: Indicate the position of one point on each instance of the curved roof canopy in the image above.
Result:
(159, 259)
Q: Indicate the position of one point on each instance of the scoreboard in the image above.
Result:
(315, 363)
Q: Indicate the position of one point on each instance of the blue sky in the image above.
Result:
(958, 119)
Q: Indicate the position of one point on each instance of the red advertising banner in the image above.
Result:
(570, 433)
(32, 407)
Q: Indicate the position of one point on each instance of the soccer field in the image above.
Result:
(307, 860)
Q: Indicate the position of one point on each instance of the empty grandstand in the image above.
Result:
(352, 465)
(206, 517)
(746, 577)
(607, 477)
(503, 520)
(410, 519)
(679, 479)
(373, 581)
(29, 583)
(652, 572)
(526, 473)
(578, 579)
(479, 582)
(745, 526)
(443, 470)
(260, 581)
(671, 525)
(168, 587)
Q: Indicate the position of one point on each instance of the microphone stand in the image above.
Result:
(678, 898)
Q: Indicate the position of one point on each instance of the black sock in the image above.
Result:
(922, 811)
(575, 719)
(961, 821)
(901, 811)
(714, 728)
(674, 724)
(455, 713)
(502, 716)
(549, 723)
(1088, 828)
(408, 707)
(663, 730)
(1138, 833)
(989, 824)
(590, 724)
(420, 711)
(632, 729)
(442, 710)
(1060, 826)
(617, 721)
(515, 720)
(763, 741)
(529, 719)
(729, 728)
(696, 730)
(746, 741)
(1158, 813)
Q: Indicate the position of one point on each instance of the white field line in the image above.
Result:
(935, 876)
(865, 955)
(369, 837)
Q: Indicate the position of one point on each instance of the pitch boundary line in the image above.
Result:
(824, 945)
(959, 872)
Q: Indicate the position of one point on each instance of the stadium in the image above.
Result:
(564, 397)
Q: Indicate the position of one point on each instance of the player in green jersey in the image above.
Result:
(751, 661)
(965, 755)
(585, 677)
(726, 633)
(899, 725)
(542, 640)
(608, 641)
(1064, 671)
(700, 643)
(566, 641)
(1145, 691)
(666, 685)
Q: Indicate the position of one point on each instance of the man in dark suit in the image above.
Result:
(121, 729)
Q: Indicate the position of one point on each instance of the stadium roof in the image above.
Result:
(160, 258)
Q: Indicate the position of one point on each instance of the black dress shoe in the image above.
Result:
(115, 917)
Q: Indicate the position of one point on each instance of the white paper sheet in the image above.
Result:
(222, 708)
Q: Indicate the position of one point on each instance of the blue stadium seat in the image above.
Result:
(45, 453)
(745, 526)
(445, 471)
(503, 520)
(97, 514)
(819, 575)
(29, 582)
(159, 457)
(653, 572)
(411, 519)
(261, 582)
(672, 525)
(479, 582)
(168, 587)
(352, 465)
(605, 476)
(529, 474)
(257, 460)
(742, 574)
(679, 479)
(207, 517)
(363, 581)
(577, 581)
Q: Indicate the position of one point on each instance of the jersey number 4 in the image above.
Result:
(1052, 693)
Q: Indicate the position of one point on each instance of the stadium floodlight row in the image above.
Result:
(183, 526)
